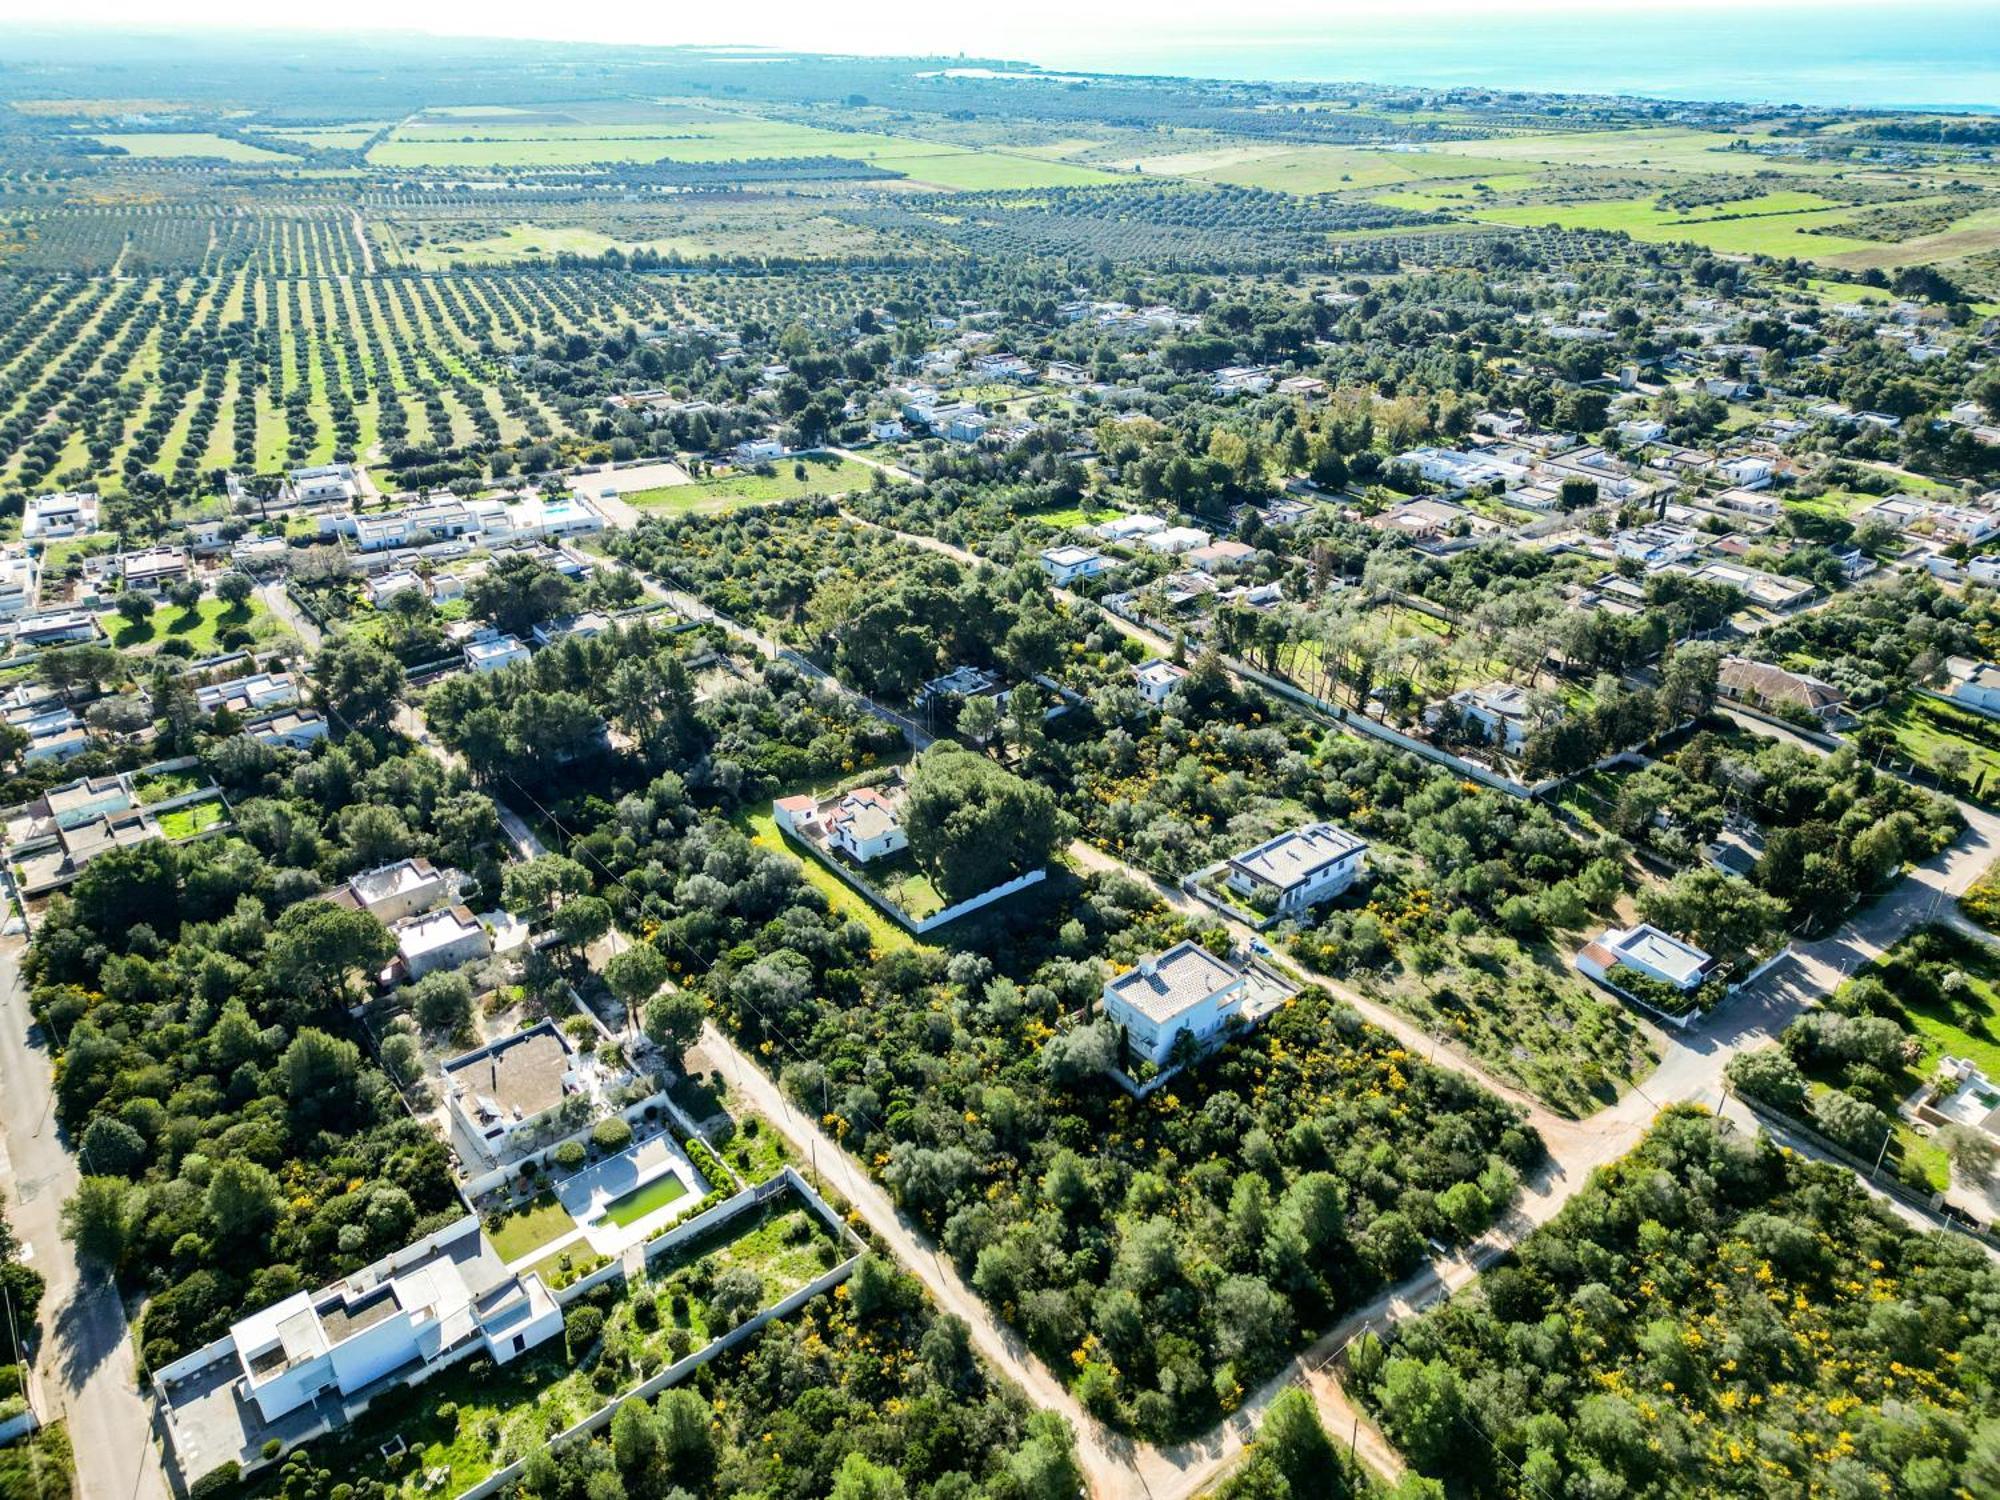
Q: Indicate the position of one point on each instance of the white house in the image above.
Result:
(1300, 868)
(1175, 539)
(242, 695)
(1749, 472)
(759, 450)
(440, 940)
(1976, 684)
(1647, 950)
(1066, 564)
(51, 517)
(1130, 528)
(491, 653)
(864, 823)
(1499, 708)
(59, 627)
(294, 728)
(889, 430)
(1157, 679)
(392, 893)
(322, 484)
(1224, 556)
(508, 1086)
(407, 1313)
(396, 581)
(19, 579)
(1187, 988)
(867, 825)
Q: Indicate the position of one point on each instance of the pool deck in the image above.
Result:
(588, 1193)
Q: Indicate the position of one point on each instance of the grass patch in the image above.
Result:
(529, 1227)
(629, 1208)
(186, 822)
(192, 143)
(201, 627)
(887, 935)
(1927, 728)
(160, 785)
(822, 476)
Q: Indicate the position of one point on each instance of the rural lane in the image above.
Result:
(84, 1368)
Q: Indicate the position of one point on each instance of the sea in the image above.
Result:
(1932, 54)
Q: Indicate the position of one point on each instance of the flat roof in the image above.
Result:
(422, 934)
(522, 1074)
(1298, 854)
(1172, 983)
(1655, 949)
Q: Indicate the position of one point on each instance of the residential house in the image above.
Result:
(1066, 564)
(1500, 709)
(1157, 679)
(49, 518)
(1767, 686)
(489, 653)
(20, 577)
(321, 485)
(511, 1086)
(1658, 544)
(1974, 684)
(1298, 869)
(1645, 949)
(865, 823)
(1185, 989)
(1225, 556)
(57, 628)
(293, 728)
(1129, 528)
(410, 1313)
(247, 695)
(396, 581)
(395, 892)
(1749, 472)
(154, 570)
(1772, 591)
(440, 940)
(1173, 540)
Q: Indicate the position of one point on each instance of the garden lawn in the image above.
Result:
(201, 627)
(763, 829)
(530, 1227)
(823, 476)
(1924, 726)
(186, 822)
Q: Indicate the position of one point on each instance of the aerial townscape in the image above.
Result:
(905, 777)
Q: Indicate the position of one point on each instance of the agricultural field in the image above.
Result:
(193, 143)
(712, 495)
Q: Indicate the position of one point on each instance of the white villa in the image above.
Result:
(1976, 684)
(440, 940)
(1157, 679)
(1300, 868)
(1647, 950)
(494, 652)
(864, 823)
(52, 517)
(445, 1296)
(1068, 563)
(1499, 708)
(391, 893)
(1186, 988)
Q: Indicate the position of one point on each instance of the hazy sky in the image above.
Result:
(1032, 29)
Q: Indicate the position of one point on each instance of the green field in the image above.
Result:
(635, 1205)
(201, 627)
(695, 136)
(824, 476)
(192, 143)
(1775, 233)
(186, 822)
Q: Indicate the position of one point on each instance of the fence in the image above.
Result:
(1932, 1207)
(500, 1175)
(786, 1180)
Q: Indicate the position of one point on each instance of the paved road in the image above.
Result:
(84, 1369)
(294, 619)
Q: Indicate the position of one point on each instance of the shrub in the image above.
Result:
(272, 1447)
(216, 1481)
(582, 1327)
(611, 1135)
(447, 1413)
(646, 1314)
(570, 1155)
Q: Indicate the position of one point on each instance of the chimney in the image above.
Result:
(1148, 967)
